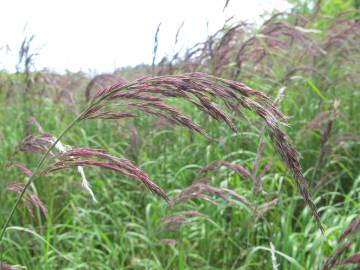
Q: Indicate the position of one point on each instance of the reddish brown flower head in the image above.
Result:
(218, 98)
(30, 199)
(88, 157)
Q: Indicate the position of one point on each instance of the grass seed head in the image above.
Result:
(30, 199)
(88, 157)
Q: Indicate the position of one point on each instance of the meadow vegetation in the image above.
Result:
(242, 152)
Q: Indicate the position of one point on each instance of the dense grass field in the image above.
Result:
(129, 227)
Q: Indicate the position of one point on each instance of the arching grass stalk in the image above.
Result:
(92, 103)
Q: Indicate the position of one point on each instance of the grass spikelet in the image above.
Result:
(174, 222)
(100, 82)
(30, 199)
(36, 143)
(23, 169)
(200, 190)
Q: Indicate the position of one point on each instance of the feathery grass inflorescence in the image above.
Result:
(36, 143)
(100, 82)
(86, 157)
(30, 199)
(201, 190)
(174, 222)
(23, 169)
(149, 96)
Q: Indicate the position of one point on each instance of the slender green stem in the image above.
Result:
(41, 162)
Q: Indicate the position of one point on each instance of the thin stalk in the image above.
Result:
(33, 176)
(41, 162)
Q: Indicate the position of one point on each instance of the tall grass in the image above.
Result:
(238, 197)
